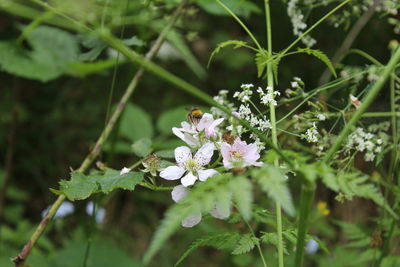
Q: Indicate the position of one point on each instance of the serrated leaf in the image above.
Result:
(218, 240)
(79, 187)
(245, 244)
(142, 147)
(273, 182)
(241, 189)
(236, 44)
(320, 55)
(328, 177)
(112, 180)
(261, 59)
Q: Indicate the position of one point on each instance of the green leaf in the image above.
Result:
(245, 244)
(135, 123)
(79, 187)
(112, 180)
(171, 118)
(191, 61)
(83, 69)
(168, 154)
(142, 147)
(241, 8)
(241, 189)
(272, 238)
(320, 55)
(328, 177)
(261, 59)
(220, 241)
(134, 41)
(236, 44)
(273, 182)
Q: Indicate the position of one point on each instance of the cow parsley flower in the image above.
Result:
(192, 166)
(311, 135)
(180, 192)
(240, 154)
(268, 97)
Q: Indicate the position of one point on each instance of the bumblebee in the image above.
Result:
(195, 115)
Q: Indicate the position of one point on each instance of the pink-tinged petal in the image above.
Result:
(191, 220)
(219, 212)
(182, 154)
(205, 122)
(172, 173)
(186, 127)
(188, 180)
(179, 192)
(217, 122)
(210, 132)
(239, 145)
(205, 174)
(226, 154)
(204, 154)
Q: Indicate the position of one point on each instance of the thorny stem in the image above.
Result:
(21, 257)
(270, 81)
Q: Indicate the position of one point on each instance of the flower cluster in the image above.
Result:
(311, 135)
(204, 137)
(298, 23)
(367, 142)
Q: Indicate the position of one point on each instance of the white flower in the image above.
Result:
(100, 212)
(269, 97)
(65, 209)
(311, 134)
(187, 133)
(180, 192)
(321, 117)
(240, 154)
(124, 170)
(208, 124)
(192, 166)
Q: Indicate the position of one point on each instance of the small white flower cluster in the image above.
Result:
(296, 85)
(269, 97)
(222, 99)
(311, 135)
(297, 19)
(367, 142)
(246, 93)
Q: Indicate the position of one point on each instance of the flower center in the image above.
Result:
(191, 164)
(236, 155)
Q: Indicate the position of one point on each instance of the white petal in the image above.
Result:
(178, 132)
(204, 154)
(205, 174)
(124, 170)
(219, 212)
(179, 192)
(188, 179)
(182, 154)
(191, 220)
(191, 140)
(217, 122)
(172, 173)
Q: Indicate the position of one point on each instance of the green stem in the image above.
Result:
(21, 257)
(270, 81)
(257, 243)
(364, 106)
(306, 199)
(241, 24)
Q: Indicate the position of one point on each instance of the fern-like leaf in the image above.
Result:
(220, 241)
(241, 189)
(320, 55)
(235, 43)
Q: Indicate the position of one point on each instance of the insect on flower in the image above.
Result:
(195, 115)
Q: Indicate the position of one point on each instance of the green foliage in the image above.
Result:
(201, 199)
(240, 8)
(225, 240)
(81, 186)
(241, 189)
(52, 52)
(245, 244)
(273, 182)
(142, 147)
(320, 55)
(135, 123)
(235, 43)
(171, 118)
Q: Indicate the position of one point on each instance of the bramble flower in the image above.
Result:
(180, 192)
(192, 166)
(208, 124)
(152, 164)
(240, 154)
